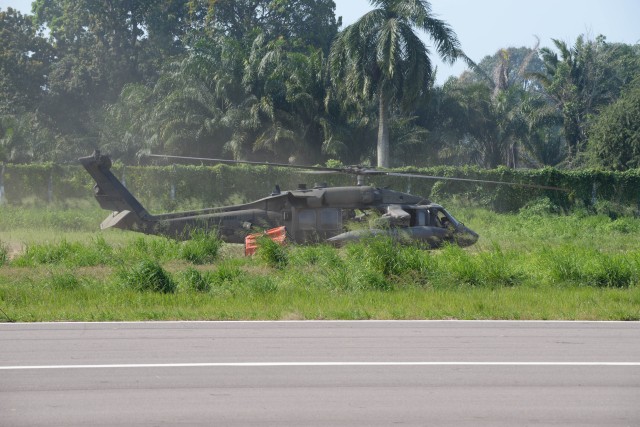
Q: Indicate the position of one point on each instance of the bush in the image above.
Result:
(364, 278)
(148, 275)
(376, 253)
(61, 281)
(380, 261)
(203, 247)
(539, 207)
(388, 257)
(158, 248)
(590, 267)
(498, 269)
(272, 253)
(456, 266)
(622, 225)
(321, 255)
(226, 272)
(610, 271)
(261, 284)
(490, 268)
(339, 278)
(193, 280)
(564, 264)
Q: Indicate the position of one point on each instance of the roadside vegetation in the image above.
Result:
(528, 265)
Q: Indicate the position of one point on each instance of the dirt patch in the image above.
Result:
(15, 249)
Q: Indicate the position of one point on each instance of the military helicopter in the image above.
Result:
(309, 215)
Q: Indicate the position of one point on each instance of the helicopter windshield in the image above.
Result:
(433, 215)
(443, 216)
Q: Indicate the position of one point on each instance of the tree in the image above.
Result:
(25, 58)
(25, 62)
(542, 143)
(301, 22)
(250, 85)
(494, 117)
(485, 127)
(289, 89)
(381, 57)
(582, 80)
(614, 138)
(102, 46)
(512, 65)
(190, 109)
(128, 40)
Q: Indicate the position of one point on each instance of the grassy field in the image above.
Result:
(530, 265)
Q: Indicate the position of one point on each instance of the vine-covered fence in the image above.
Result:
(177, 186)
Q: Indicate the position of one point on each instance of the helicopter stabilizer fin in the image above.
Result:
(111, 194)
(124, 220)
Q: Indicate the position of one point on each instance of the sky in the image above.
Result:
(485, 26)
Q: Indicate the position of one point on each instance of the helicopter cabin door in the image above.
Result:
(315, 224)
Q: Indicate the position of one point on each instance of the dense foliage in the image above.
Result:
(615, 134)
(279, 80)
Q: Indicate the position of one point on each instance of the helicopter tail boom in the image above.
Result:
(112, 195)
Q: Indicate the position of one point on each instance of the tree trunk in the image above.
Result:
(383, 134)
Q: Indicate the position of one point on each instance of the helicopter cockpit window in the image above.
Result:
(444, 219)
(433, 218)
(307, 219)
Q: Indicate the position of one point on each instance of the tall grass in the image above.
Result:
(263, 298)
(147, 275)
(4, 253)
(528, 265)
(376, 263)
(490, 268)
(86, 216)
(192, 280)
(271, 253)
(203, 247)
(586, 266)
(70, 254)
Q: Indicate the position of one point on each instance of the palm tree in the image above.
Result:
(495, 115)
(287, 114)
(561, 82)
(381, 57)
(582, 80)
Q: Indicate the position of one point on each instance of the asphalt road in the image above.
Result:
(320, 373)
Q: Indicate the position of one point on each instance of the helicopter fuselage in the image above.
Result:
(336, 215)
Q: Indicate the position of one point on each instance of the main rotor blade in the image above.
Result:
(483, 181)
(322, 172)
(358, 170)
(248, 162)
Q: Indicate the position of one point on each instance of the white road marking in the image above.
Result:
(310, 364)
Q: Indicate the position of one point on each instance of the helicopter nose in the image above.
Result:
(466, 236)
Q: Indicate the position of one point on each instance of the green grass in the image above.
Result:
(530, 265)
(263, 298)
